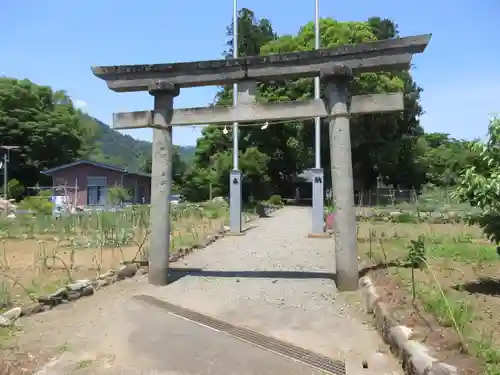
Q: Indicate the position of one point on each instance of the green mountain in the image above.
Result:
(119, 148)
(186, 152)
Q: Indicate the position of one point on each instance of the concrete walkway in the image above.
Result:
(273, 280)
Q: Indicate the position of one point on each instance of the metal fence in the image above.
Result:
(384, 197)
(392, 197)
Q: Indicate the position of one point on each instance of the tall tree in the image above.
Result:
(212, 148)
(444, 158)
(253, 33)
(383, 144)
(479, 184)
(43, 123)
(377, 140)
(386, 143)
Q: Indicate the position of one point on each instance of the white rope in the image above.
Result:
(263, 126)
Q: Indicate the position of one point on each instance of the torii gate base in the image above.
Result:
(335, 67)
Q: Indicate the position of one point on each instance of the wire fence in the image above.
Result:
(385, 197)
(429, 199)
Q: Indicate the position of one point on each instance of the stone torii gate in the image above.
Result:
(336, 67)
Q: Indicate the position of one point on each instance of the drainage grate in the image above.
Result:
(269, 343)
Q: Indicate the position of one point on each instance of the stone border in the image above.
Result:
(83, 288)
(327, 234)
(415, 357)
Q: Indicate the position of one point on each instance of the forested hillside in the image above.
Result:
(119, 148)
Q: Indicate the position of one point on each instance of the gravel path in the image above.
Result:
(272, 280)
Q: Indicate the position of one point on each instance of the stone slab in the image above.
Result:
(249, 114)
(387, 54)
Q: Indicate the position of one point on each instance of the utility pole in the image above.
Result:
(212, 172)
(5, 175)
(5, 170)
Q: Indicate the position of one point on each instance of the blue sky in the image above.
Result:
(55, 42)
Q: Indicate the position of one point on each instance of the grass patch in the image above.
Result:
(456, 257)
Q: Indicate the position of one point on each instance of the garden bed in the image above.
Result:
(460, 327)
(39, 254)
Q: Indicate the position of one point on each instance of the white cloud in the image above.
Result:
(80, 103)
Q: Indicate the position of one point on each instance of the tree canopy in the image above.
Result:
(383, 145)
(479, 183)
(44, 123)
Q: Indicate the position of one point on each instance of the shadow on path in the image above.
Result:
(178, 273)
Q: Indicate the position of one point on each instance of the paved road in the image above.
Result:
(273, 280)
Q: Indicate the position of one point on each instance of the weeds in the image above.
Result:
(39, 254)
(416, 252)
(432, 263)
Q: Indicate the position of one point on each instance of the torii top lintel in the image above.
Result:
(391, 54)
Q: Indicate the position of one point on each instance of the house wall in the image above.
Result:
(77, 175)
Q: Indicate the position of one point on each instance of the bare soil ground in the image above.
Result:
(453, 303)
(37, 266)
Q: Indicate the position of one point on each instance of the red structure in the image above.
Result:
(86, 182)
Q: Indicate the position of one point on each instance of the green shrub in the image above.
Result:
(16, 190)
(480, 183)
(38, 204)
(117, 195)
(275, 200)
(416, 256)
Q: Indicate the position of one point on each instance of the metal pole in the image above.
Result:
(317, 120)
(5, 168)
(317, 175)
(235, 175)
(235, 85)
(5, 179)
